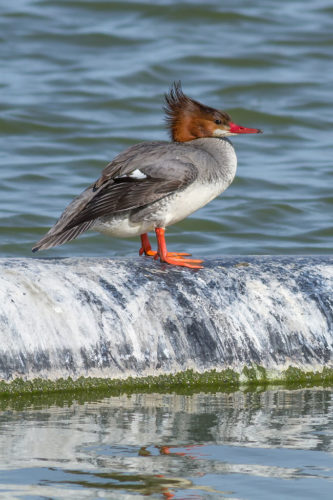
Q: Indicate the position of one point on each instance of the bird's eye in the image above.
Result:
(218, 122)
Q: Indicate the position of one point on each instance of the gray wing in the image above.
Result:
(121, 188)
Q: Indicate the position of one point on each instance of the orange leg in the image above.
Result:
(172, 258)
(146, 248)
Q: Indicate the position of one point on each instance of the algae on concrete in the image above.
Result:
(185, 382)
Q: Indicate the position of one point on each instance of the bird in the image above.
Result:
(152, 185)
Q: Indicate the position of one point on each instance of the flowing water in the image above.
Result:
(275, 444)
(81, 80)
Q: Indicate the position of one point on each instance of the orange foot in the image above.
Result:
(175, 259)
(179, 261)
(146, 249)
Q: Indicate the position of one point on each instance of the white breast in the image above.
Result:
(196, 196)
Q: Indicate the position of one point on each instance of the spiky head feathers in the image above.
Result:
(188, 119)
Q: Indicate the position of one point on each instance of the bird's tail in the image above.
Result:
(59, 238)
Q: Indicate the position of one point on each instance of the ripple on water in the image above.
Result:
(82, 81)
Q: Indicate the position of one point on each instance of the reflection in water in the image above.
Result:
(174, 446)
(146, 484)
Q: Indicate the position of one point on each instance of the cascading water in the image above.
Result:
(120, 318)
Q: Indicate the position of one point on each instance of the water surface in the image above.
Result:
(82, 80)
(256, 445)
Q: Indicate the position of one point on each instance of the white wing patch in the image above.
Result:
(136, 174)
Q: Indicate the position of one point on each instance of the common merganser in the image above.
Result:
(152, 185)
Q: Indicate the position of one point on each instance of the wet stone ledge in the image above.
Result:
(249, 317)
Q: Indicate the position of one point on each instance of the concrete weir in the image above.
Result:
(115, 318)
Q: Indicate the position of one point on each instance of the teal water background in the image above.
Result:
(82, 80)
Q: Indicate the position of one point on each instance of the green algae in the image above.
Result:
(182, 381)
(295, 377)
(186, 382)
(255, 374)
